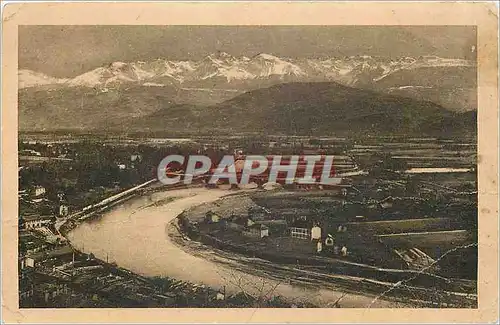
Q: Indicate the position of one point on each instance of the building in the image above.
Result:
(22, 194)
(63, 210)
(64, 254)
(39, 190)
(167, 298)
(26, 289)
(329, 241)
(239, 222)
(300, 228)
(305, 229)
(135, 158)
(298, 232)
(36, 221)
(211, 217)
(316, 233)
(29, 152)
(39, 200)
(256, 230)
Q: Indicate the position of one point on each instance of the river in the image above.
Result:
(134, 235)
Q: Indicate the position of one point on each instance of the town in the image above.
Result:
(406, 205)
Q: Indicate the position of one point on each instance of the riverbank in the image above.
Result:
(65, 224)
(400, 284)
(134, 237)
(105, 283)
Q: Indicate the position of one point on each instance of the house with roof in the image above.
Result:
(212, 217)
(256, 231)
(304, 228)
(39, 190)
(135, 157)
(63, 210)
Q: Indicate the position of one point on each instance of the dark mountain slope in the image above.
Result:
(452, 87)
(313, 109)
(326, 107)
(91, 108)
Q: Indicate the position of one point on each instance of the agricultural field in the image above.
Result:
(419, 194)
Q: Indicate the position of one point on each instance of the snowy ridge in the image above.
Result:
(223, 68)
(29, 78)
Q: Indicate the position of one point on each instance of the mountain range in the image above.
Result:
(227, 88)
(229, 75)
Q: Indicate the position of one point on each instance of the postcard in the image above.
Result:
(249, 162)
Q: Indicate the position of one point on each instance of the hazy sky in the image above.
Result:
(66, 51)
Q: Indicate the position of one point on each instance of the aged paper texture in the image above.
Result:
(250, 162)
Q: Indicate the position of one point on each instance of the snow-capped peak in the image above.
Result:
(224, 66)
(222, 54)
(220, 58)
(29, 78)
(266, 65)
(92, 78)
(266, 56)
(118, 65)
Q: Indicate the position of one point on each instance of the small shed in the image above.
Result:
(211, 217)
(38, 190)
(256, 230)
(63, 210)
(315, 232)
(135, 157)
(329, 241)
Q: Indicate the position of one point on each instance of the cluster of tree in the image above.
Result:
(95, 169)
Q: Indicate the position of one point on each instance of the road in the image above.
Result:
(135, 236)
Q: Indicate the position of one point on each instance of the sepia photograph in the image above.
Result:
(252, 166)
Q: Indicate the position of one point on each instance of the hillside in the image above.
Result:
(42, 108)
(312, 109)
(454, 87)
